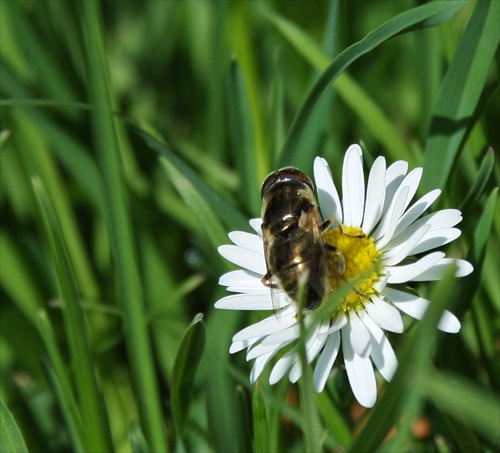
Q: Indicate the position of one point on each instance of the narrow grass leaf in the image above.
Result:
(312, 427)
(422, 16)
(334, 420)
(482, 179)
(11, 439)
(277, 110)
(227, 213)
(17, 280)
(211, 226)
(475, 407)
(59, 378)
(242, 139)
(137, 440)
(224, 414)
(483, 315)
(358, 100)
(241, 41)
(185, 366)
(401, 397)
(460, 92)
(260, 426)
(119, 230)
(476, 256)
(465, 438)
(96, 436)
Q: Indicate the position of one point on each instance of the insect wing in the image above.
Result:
(278, 297)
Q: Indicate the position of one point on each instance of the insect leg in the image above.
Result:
(340, 258)
(330, 224)
(267, 281)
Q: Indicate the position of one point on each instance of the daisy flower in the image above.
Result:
(385, 242)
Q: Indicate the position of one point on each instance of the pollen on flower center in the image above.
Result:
(355, 263)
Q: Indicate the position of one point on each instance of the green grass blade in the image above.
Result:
(483, 315)
(33, 151)
(422, 16)
(460, 92)
(482, 179)
(185, 366)
(93, 413)
(119, 231)
(312, 427)
(475, 407)
(212, 227)
(227, 213)
(240, 38)
(334, 420)
(242, 140)
(11, 439)
(17, 281)
(349, 91)
(225, 432)
(464, 437)
(137, 441)
(402, 396)
(60, 381)
(476, 255)
(260, 426)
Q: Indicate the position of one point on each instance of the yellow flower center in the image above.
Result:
(353, 262)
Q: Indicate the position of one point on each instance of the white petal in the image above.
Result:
(316, 341)
(295, 372)
(441, 220)
(283, 336)
(437, 271)
(385, 315)
(445, 218)
(337, 324)
(375, 195)
(256, 225)
(418, 208)
(410, 304)
(411, 182)
(326, 361)
(359, 336)
(360, 374)
(245, 302)
(253, 261)
(238, 346)
(382, 353)
(265, 327)
(394, 176)
(259, 365)
(384, 235)
(409, 272)
(353, 186)
(394, 255)
(241, 278)
(416, 306)
(313, 347)
(435, 239)
(247, 241)
(449, 323)
(380, 284)
(260, 350)
(282, 366)
(328, 196)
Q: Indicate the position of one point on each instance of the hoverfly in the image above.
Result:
(292, 230)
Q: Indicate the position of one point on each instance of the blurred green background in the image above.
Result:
(92, 93)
